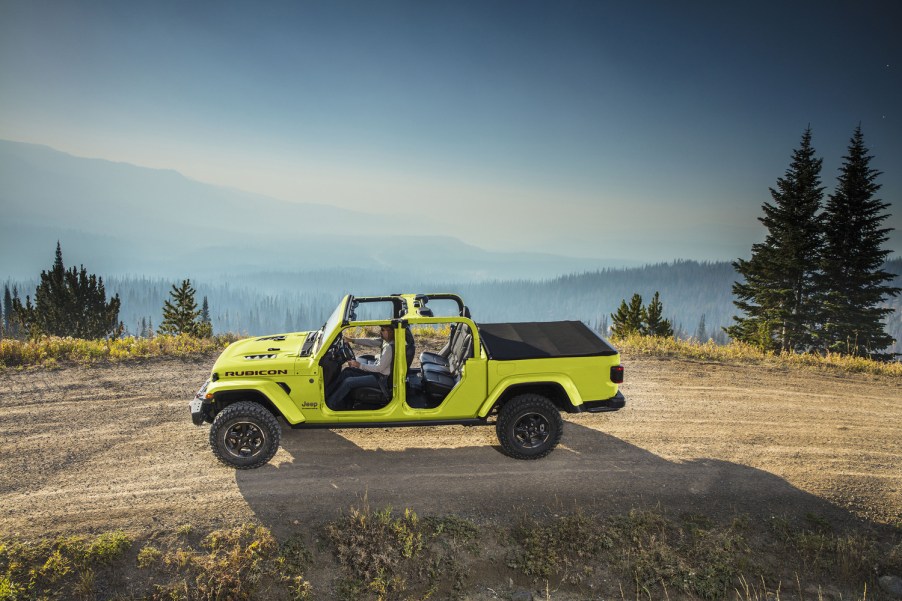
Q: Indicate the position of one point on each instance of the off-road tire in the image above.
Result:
(245, 435)
(529, 427)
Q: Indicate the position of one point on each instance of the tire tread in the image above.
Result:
(514, 407)
(249, 409)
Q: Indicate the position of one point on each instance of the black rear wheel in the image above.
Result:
(529, 426)
(245, 435)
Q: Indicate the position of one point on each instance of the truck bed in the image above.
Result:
(542, 339)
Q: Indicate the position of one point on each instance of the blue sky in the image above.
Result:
(636, 131)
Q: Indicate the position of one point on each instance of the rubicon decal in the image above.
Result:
(259, 372)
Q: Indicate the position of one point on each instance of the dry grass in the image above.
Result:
(374, 550)
(421, 332)
(381, 555)
(231, 564)
(645, 550)
(50, 350)
(47, 569)
(738, 352)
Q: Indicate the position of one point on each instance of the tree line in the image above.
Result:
(696, 297)
(636, 318)
(287, 302)
(818, 282)
(72, 302)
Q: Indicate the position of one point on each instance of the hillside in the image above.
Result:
(760, 470)
(120, 218)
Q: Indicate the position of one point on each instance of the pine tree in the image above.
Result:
(69, 303)
(653, 323)
(719, 337)
(15, 322)
(55, 303)
(603, 324)
(628, 318)
(181, 315)
(778, 291)
(205, 326)
(205, 311)
(853, 283)
(7, 311)
(701, 333)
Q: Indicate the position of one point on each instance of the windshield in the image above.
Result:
(333, 322)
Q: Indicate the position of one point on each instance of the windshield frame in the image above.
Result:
(333, 323)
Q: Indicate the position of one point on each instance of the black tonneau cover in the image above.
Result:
(541, 339)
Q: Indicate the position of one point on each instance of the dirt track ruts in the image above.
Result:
(86, 449)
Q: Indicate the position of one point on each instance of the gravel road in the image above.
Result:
(88, 449)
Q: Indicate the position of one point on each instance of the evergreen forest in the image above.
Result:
(692, 293)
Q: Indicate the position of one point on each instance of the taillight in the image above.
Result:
(617, 374)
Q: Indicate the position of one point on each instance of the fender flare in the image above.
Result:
(268, 388)
(558, 379)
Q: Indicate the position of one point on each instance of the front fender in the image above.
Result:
(562, 380)
(271, 390)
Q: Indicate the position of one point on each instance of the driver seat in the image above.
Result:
(377, 397)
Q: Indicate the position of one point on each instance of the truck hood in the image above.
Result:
(264, 348)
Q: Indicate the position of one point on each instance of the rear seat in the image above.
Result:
(441, 357)
(451, 351)
(438, 380)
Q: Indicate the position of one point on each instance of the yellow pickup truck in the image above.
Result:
(515, 376)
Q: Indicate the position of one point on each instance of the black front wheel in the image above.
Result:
(529, 427)
(245, 435)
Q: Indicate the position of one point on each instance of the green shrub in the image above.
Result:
(148, 556)
(372, 547)
(231, 566)
(566, 547)
(37, 569)
(108, 547)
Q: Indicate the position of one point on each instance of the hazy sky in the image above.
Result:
(627, 130)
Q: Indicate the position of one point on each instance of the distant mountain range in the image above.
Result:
(118, 218)
(271, 265)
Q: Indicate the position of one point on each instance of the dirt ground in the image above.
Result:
(89, 449)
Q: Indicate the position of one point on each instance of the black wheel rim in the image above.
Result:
(532, 431)
(244, 439)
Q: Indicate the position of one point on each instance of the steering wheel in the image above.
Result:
(343, 351)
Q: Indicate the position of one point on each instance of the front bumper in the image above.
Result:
(199, 406)
(616, 402)
(196, 406)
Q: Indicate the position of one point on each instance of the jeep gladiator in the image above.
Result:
(518, 377)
